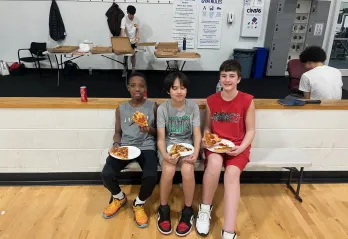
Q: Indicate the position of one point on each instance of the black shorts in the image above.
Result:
(134, 46)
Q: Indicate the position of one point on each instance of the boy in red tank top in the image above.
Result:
(231, 115)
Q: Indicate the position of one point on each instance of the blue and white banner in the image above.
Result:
(210, 23)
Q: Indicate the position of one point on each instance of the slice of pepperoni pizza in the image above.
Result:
(222, 149)
(182, 148)
(140, 119)
(175, 151)
(211, 139)
(122, 153)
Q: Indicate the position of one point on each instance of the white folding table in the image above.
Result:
(75, 55)
(176, 62)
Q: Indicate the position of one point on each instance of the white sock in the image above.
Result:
(119, 196)
(206, 207)
(138, 201)
(229, 235)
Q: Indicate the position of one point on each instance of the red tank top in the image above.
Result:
(228, 117)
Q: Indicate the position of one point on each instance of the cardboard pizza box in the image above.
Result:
(166, 54)
(101, 49)
(146, 44)
(189, 55)
(167, 49)
(121, 45)
(167, 45)
(63, 49)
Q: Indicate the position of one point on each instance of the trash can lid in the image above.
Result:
(243, 50)
(260, 49)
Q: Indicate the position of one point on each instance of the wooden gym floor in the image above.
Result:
(265, 211)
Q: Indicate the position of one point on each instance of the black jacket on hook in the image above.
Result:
(114, 15)
(56, 24)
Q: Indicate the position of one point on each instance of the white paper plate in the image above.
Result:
(183, 154)
(133, 152)
(224, 141)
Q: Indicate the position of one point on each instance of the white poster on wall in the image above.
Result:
(184, 22)
(252, 18)
(210, 24)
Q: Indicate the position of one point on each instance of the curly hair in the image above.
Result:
(138, 74)
(313, 54)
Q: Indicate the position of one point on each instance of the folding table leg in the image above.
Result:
(55, 56)
(299, 182)
(183, 64)
(176, 64)
(125, 70)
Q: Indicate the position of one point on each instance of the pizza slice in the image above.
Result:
(140, 119)
(223, 144)
(122, 153)
(182, 148)
(211, 139)
(222, 149)
(175, 151)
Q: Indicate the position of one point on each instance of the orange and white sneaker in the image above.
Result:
(114, 207)
(140, 216)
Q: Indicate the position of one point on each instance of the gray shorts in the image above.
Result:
(160, 159)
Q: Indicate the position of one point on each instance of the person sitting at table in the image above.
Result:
(130, 26)
(128, 133)
(321, 82)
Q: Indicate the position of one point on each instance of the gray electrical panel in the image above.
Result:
(293, 25)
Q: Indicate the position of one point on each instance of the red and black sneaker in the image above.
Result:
(163, 223)
(186, 221)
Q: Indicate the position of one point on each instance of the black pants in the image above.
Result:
(148, 163)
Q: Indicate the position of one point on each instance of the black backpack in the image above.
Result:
(70, 68)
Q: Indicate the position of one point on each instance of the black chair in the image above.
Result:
(36, 51)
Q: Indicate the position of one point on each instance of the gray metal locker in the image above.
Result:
(285, 9)
(276, 65)
(278, 35)
(283, 29)
(317, 23)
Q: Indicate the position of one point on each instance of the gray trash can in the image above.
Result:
(245, 58)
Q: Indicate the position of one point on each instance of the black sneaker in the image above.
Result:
(186, 221)
(163, 222)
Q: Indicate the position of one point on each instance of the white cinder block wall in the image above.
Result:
(77, 140)
(54, 140)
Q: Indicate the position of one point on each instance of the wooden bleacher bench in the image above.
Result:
(292, 159)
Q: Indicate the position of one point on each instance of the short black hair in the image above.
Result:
(313, 54)
(231, 65)
(131, 10)
(170, 79)
(136, 73)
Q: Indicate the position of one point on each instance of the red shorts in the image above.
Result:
(239, 161)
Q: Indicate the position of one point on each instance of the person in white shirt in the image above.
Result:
(321, 82)
(130, 26)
